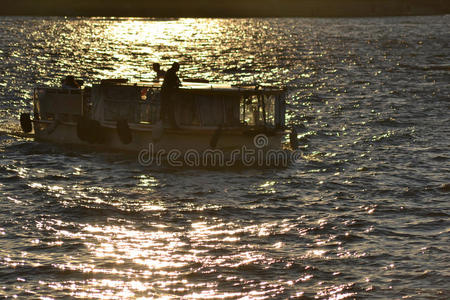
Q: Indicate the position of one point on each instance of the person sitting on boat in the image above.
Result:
(169, 87)
(159, 73)
(70, 83)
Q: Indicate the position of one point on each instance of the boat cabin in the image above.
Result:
(196, 104)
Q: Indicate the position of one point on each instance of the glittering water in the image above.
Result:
(364, 215)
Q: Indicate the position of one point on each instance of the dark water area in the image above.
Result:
(231, 8)
(364, 214)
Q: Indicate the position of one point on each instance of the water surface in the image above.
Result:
(365, 214)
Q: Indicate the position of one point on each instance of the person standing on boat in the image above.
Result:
(70, 83)
(159, 73)
(168, 89)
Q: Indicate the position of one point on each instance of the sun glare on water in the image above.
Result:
(139, 38)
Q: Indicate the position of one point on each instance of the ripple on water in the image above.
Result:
(363, 215)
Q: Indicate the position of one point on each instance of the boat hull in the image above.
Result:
(199, 147)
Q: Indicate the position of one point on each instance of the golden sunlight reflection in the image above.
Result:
(268, 187)
(140, 38)
(336, 292)
(158, 260)
(152, 250)
(91, 223)
(316, 253)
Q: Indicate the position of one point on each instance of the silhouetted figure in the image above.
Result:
(169, 87)
(70, 83)
(159, 73)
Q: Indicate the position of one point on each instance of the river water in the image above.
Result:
(364, 214)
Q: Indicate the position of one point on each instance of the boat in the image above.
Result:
(213, 119)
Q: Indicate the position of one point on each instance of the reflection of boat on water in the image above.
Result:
(125, 116)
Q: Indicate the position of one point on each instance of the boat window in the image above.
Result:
(208, 110)
(134, 104)
(269, 101)
(211, 109)
(257, 110)
(250, 110)
(51, 104)
(120, 102)
(231, 110)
